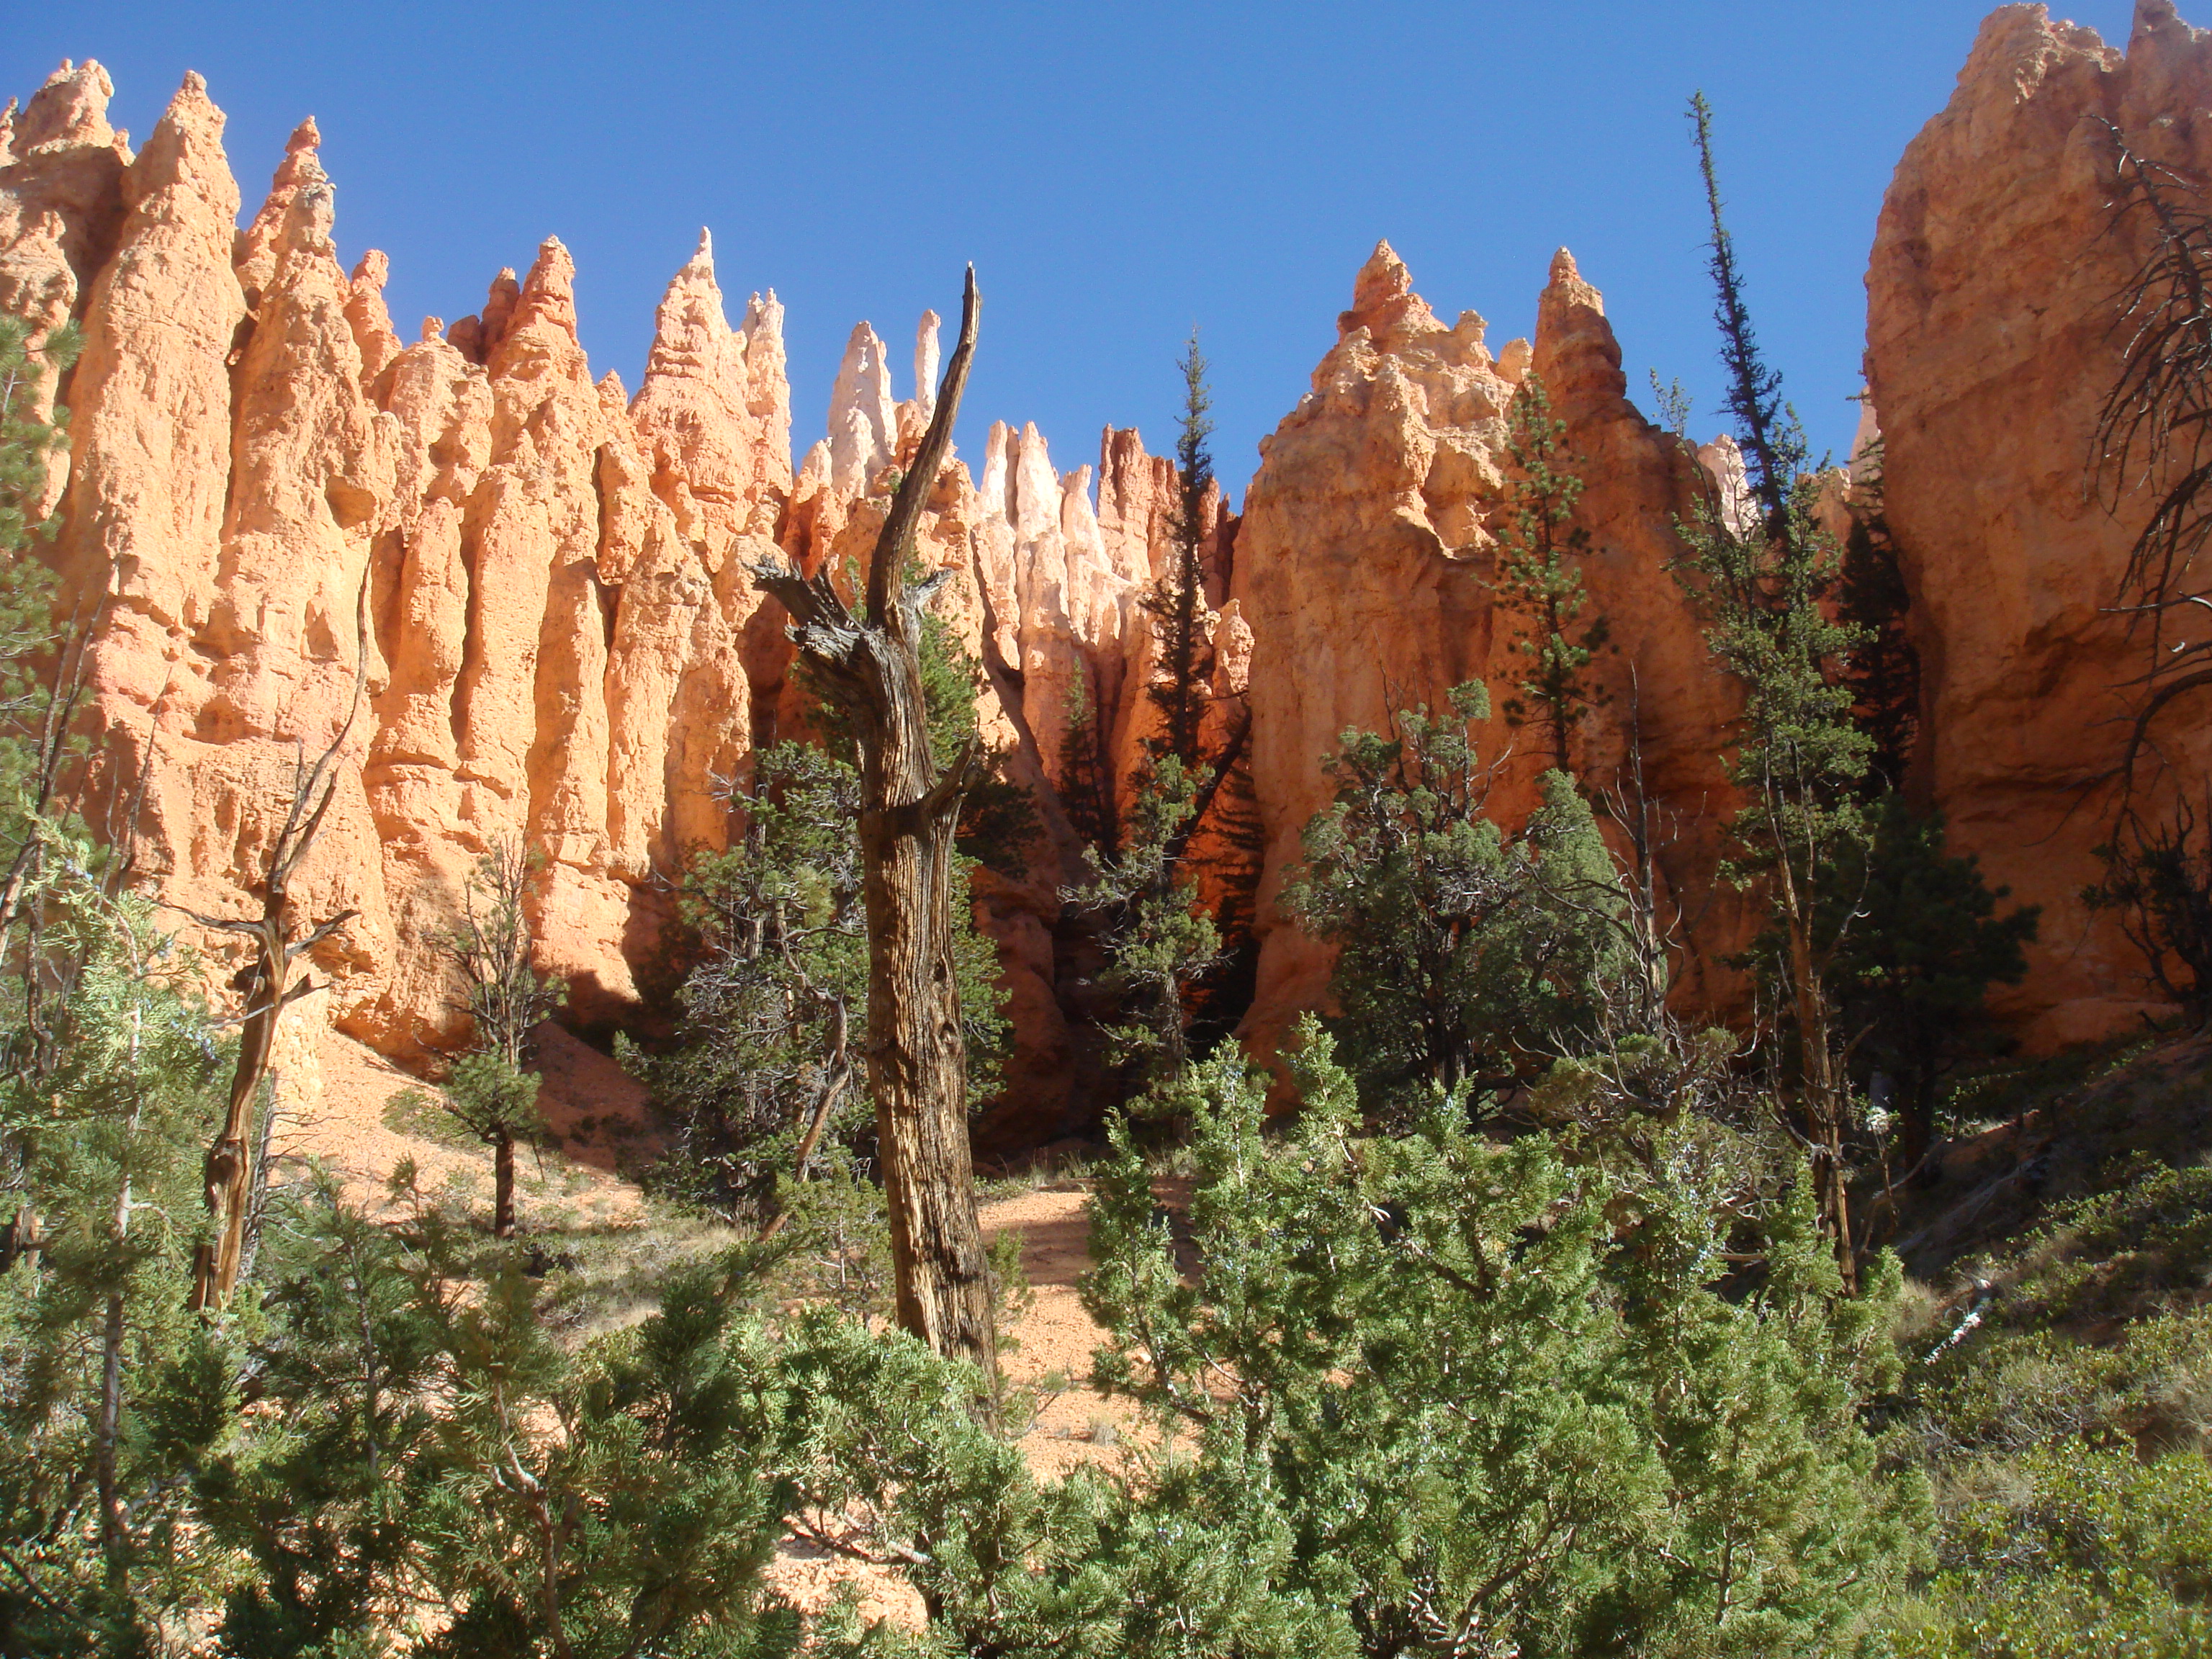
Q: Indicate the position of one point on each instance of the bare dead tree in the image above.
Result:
(266, 983)
(870, 666)
(2154, 429)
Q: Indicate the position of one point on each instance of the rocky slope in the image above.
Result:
(563, 643)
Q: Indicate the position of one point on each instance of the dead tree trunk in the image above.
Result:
(268, 991)
(917, 1057)
(502, 1184)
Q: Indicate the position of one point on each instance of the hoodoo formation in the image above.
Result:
(565, 643)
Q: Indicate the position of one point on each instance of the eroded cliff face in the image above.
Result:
(550, 576)
(1366, 570)
(547, 578)
(1992, 341)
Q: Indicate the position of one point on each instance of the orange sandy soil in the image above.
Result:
(332, 1095)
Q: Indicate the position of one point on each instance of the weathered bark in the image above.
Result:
(228, 1187)
(1824, 1100)
(910, 806)
(502, 1184)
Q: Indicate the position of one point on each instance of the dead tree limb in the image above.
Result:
(267, 985)
(2154, 432)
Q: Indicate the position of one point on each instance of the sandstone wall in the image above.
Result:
(1365, 571)
(551, 574)
(563, 643)
(1991, 343)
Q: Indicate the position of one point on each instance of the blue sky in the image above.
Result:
(1117, 173)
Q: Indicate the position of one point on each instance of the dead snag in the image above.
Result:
(266, 984)
(870, 666)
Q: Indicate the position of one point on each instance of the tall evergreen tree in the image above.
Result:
(1162, 939)
(1871, 594)
(1177, 600)
(1924, 945)
(1541, 550)
(1086, 772)
(1799, 757)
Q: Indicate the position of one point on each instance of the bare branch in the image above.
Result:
(896, 543)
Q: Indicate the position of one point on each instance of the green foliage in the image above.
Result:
(1160, 938)
(1085, 772)
(1498, 1401)
(1921, 946)
(1465, 955)
(2066, 1419)
(775, 1014)
(610, 1504)
(1884, 670)
(1163, 941)
(319, 1504)
(998, 818)
(492, 947)
(490, 1099)
(1169, 1563)
(1799, 755)
(772, 1013)
(487, 1093)
(1763, 574)
(1176, 600)
(1541, 550)
(1762, 588)
(94, 1318)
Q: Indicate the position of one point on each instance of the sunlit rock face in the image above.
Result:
(547, 577)
(1992, 314)
(1365, 571)
(546, 583)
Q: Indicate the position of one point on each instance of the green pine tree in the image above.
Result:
(1499, 1400)
(1160, 938)
(1922, 948)
(1465, 956)
(1541, 551)
(763, 1091)
(487, 1092)
(1799, 757)
(1163, 939)
(1884, 670)
(94, 1308)
(1177, 598)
